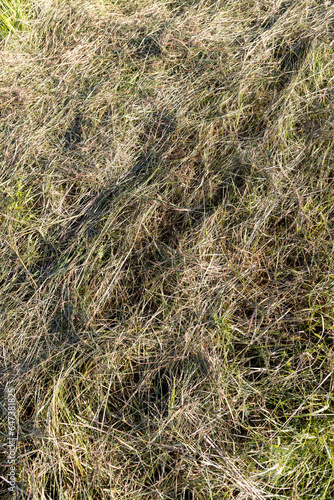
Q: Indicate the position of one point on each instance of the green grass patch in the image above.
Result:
(13, 16)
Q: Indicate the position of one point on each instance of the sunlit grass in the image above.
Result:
(13, 16)
(166, 270)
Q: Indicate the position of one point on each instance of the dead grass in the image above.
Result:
(167, 249)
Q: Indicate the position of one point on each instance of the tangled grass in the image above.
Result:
(166, 264)
(13, 16)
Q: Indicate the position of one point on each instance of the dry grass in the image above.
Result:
(167, 249)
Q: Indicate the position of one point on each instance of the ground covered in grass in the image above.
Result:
(166, 268)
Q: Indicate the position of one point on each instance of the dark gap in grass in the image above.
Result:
(42, 268)
(181, 6)
(143, 395)
(250, 312)
(299, 259)
(284, 6)
(73, 136)
(64, 326)
(241, 432)
(51, 488)
(102, 202)
(96, 495)
(142, 169)
(289, 57)
(285, 223)
(152, 400)
(161, 385)
(18, 277)
(254, 358)
(27, 414)
(252, 127)
(219, 195)
(316, 332)
(232, 185)
(262, 278)
(157, 127)
(185, 495)
(269, 21)
(238, 174)
(138, 277)
(146, 268)
(176, 223)
(161, 471)
(216, 84)
(144, 45)
(147, 47)
(201, 63)
(132, 399)
(246, 311)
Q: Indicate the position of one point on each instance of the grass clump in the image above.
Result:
(13, 16)
(166, 268)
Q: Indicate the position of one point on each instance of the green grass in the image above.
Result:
(13, 16)
(166, 269)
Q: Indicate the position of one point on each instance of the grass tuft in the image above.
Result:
(13, 16)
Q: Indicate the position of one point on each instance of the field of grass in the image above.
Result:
(166, 240)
